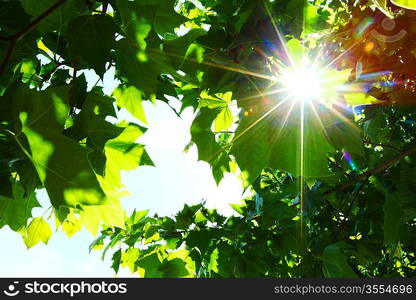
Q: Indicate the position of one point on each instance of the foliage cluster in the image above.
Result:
(58, 131)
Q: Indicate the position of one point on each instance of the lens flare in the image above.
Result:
(349, 160)
(363, 27)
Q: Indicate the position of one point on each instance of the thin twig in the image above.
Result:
(352, 202)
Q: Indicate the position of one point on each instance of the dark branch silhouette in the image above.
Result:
(17, 36)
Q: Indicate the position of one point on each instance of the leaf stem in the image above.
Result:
(15, 137)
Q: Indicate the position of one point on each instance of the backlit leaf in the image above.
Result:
(130, 98)
(61, 163)
(410, 4)
(37, 231)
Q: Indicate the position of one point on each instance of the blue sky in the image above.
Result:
(178, 178)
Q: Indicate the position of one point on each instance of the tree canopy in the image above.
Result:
(311, 100)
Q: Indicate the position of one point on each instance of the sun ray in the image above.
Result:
(313, 108)
(289, 112)
(276, 91)
(262, 95)
(302, 165)
(341, 116)
(317, 57)
(331, 63)
(283, 124)
(265, 115)
(219, 66)
(279, 34)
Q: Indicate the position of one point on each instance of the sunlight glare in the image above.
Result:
(302, 84)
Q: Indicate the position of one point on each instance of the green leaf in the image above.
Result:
(91, 120)
(220, 165)
(123, 153)
(409, 4)
(71, 225)
(98, 243)
(393, 220)
(25, 48)
(116, 260)
(186, 54)
(344, 136)
(58, 19)
(151, 63)
(296, 51)
(150, 264)
(13, 15)
(37, 231)
(99, 105)
(199, 239)
(278, 210)
(175, 268)
(186, 216)
(139, 17)
(129, 258)
(136, 217)
(359, 98)
(136, 24)
(211, 101)
(314, 21)
(242, 19)
(154, 268)
(335, 262)
(61, 163)
(110, 214)
(131, 99)
(276, 143)
(17, 210)
(91, 39)
(115, 240)
(238, 208)
(28, 176)
(202, 135)
(166, 18)
(224, 120)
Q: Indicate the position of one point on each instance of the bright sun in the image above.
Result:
(302, 84)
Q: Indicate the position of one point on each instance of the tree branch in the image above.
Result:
(17, 36)
(8, 56)
(5, 38)
(382, 145)
(338, 167)
(372, 172)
